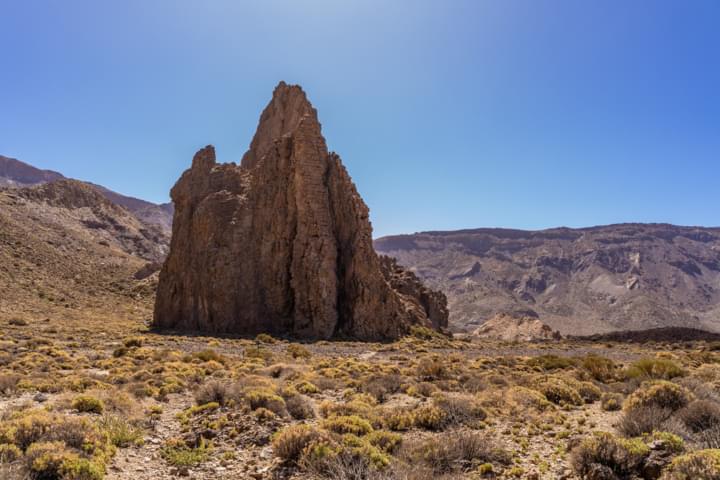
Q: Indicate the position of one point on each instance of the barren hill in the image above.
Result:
(578, 281)
(17, 174)
(66, 250)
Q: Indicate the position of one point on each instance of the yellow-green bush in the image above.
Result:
(290, 443)
(88, 404)
(658, 393)
(611, 402)
(558, 391)
(177, 453)
(600, 368)
(654, 368)
(698, 465)
(348, 424)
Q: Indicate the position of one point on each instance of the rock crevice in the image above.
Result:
(282, 243)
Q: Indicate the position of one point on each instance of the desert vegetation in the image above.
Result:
(120, 401)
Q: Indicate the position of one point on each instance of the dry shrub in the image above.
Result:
(432, 368)
(522, 399)
(213, 391)
(700, 415)
(458, 451)
(460, 409)
(605, 456)
(600, 368)
(641, 420)
(381, 386)
(611, 402)
(589, 392)
(8, 383)
(300, 407)
(345, 464)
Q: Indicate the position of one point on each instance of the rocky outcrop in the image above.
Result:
(516, 329)
(282, 243)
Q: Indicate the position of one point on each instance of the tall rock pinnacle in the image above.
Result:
(283, 243)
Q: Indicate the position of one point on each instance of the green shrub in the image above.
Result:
(551, 362)
(430, 417)
(265, 398)
(654, 368)
(398, 420)
(559, 392)
(698, 465)
(177, 453)
(122, 433)
(88, 404)
(290, 443)
(658, 393)
(385, 441)
(298, 351)
(9, 453)
(133, 342)
(208, 355)
(348, 424)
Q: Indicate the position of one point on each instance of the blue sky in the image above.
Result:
(448, 114)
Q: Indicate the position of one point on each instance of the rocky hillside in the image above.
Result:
(578, 281)
(17, 174)
(67, 251)
(282, 243)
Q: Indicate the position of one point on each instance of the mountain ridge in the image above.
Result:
(578, 280)
(15, 173)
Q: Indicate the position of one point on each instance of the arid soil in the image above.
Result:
(158, 405)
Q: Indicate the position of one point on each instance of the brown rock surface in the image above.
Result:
(281, 243)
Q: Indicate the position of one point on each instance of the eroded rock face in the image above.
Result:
(281, 243)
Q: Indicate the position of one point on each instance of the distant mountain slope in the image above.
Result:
(67, 251)
(15, 174)
(578, 281)
(72, 202)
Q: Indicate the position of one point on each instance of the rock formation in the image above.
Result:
(282, 243)
(513, 328)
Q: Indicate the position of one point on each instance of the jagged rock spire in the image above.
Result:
(281, 243)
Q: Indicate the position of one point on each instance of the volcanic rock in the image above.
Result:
(516, 329)
(282, 243)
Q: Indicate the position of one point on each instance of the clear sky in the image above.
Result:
(448, 114)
